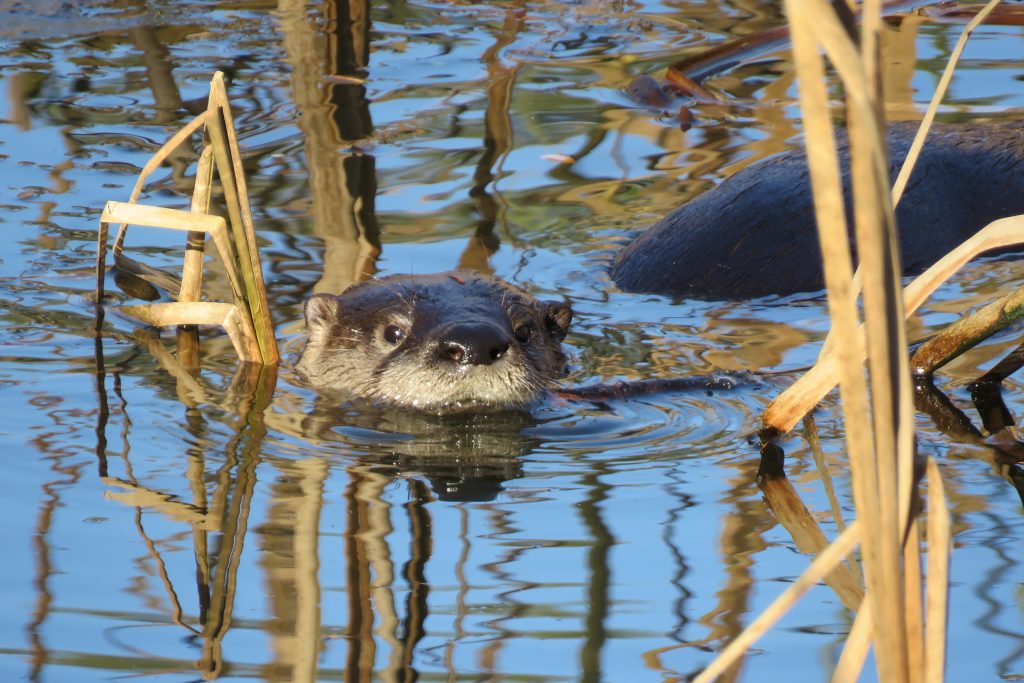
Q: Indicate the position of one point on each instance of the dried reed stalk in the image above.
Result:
(855, 650)
(880, 421)
(230, 316)
(937, 588)
(791, 405)
(933, 106)
(873, 444)
(247, 319)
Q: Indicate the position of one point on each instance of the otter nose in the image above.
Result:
(473, 343)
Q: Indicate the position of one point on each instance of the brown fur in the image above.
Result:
(402, 341)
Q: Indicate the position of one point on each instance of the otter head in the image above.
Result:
(446, 342)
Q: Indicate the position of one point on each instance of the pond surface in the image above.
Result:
(232, 525)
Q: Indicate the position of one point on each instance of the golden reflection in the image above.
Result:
(342, 184)
(498, 143)
(291, 564)
(384, 625)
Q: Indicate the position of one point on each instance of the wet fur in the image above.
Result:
(348, 353)
(754, 234)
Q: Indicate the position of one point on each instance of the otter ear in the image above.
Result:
(321, 312)
(557, 316)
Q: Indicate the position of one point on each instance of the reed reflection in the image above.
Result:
(342, 182)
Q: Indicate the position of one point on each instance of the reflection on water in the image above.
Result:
(208, 521)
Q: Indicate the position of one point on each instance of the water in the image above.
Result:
(235, 526)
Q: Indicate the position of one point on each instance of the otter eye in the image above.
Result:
(393, 334)
(523, 332)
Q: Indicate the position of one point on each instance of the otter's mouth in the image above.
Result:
(433, 388)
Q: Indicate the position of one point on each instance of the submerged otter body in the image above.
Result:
(445, 342)
(754, 234)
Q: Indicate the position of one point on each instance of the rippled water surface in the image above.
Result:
(232, 524)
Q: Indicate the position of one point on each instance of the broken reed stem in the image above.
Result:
(824, 563)
(195, 241)
(154, 163)
(221, 129)
(811, 23)
(192, 271)
(248, 323)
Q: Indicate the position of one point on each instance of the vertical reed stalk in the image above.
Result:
(877, 405)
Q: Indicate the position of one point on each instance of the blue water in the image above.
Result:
(231, 526)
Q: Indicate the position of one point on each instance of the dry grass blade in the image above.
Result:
(200, 313)
(249, 325)
(933, 106)
(229, 167)
(855, 650)
(822, 565)
(790, 406)
(915, 609)
(937, 585)
(154, 163)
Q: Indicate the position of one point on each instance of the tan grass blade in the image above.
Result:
(790, 406)
(822, 565)
(154, 163)
(937, 586)
(229, 167)
(200, 313)
(855, 650)
(913, 590)
(940, 92)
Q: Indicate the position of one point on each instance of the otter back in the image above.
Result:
(754, 234)
(441, 343)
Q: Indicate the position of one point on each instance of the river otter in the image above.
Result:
(754, 234)
(442, 343)
(453, 342)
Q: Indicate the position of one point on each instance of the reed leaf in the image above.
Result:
(933, 106)
(855, 649)
(937, 586)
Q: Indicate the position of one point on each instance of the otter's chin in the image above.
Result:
(461, 390)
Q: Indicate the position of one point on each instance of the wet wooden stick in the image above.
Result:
(967, 332)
